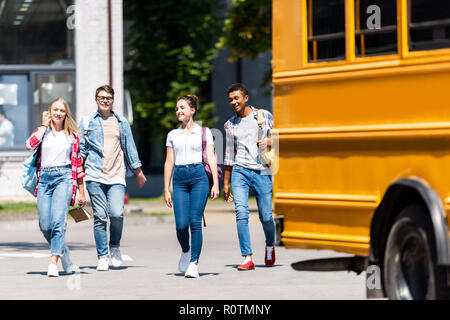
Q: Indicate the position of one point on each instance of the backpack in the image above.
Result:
(267, 155)
(205, 161)
(29, 172)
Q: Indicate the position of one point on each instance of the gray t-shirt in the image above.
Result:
(246, 135)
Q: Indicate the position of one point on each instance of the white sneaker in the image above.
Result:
(192, 271)
(184, 261)
(103, 264)
(67, 264)
(116, 257)
(52, 270)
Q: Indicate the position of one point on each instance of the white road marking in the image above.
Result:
(36, 255)
(25, 255)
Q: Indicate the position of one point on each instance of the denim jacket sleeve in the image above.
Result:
(130, 147)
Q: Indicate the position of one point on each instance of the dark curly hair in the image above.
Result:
(236, 87)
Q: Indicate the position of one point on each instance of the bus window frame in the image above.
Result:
(404, 56)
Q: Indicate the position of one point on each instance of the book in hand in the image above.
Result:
(79, 214)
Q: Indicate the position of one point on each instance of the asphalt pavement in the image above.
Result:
(151, 252)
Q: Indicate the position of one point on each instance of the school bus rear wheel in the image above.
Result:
(410, 270)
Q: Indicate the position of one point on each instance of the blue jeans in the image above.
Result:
(190, 193)
(242, 180)
(53, 199)
(107, 200)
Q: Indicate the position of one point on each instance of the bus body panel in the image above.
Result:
(347, 132)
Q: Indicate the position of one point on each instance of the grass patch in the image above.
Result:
(18, 208)
(150, 213)
(158, 213)
(161, 199)
(138, 200)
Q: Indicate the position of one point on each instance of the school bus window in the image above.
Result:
(429, 24)
(326, 30)
(375, 27)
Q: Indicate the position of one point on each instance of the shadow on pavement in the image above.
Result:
(110, 268)
(61, 274)
(43, 245)
(234, 266)
(179, 274)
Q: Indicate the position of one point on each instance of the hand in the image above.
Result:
(227, 194)
(46, 118)
(262, 144)
(141, 179)
(215, 192)
(168, 198)
(81, 199)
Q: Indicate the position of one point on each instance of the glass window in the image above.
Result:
(429, 24)
(326, 30)
(35, 32)
(48, 87)
(14, 129)
(375, 27)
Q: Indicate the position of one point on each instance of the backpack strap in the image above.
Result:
(203, 149)
(85, 123)
(203, 138)
(260, 117)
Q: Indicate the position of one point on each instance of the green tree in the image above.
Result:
(172, 45)
(248, 31)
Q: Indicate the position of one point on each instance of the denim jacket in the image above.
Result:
(92, 147)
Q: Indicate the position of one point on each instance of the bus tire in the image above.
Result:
(410, 269)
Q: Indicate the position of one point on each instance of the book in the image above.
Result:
(79, 214)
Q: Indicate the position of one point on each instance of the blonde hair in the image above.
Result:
(69, 125)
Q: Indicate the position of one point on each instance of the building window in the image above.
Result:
(35, 32)
(429, 24)
(326, 30)
(375, 27)
(48, 87)
(14, 128)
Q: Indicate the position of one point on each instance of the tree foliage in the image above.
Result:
(248, 29)
(172, 45)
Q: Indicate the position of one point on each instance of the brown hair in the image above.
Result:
(106, 88)
(69, 125)
(192, 101)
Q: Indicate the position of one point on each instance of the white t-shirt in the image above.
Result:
(56, 148)
(188, 148)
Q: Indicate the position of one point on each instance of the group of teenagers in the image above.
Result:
(100, 153)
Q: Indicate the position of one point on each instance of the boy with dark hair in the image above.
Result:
(246, 170)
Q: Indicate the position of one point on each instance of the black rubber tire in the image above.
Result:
(279, 225)
(410, 269)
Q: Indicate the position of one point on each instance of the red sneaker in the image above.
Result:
(270, 256)
(249, 265)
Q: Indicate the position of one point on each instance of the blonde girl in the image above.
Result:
(60, 175)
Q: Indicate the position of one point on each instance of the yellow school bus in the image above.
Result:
(362, 113)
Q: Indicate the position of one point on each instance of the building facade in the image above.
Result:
(51, 49)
